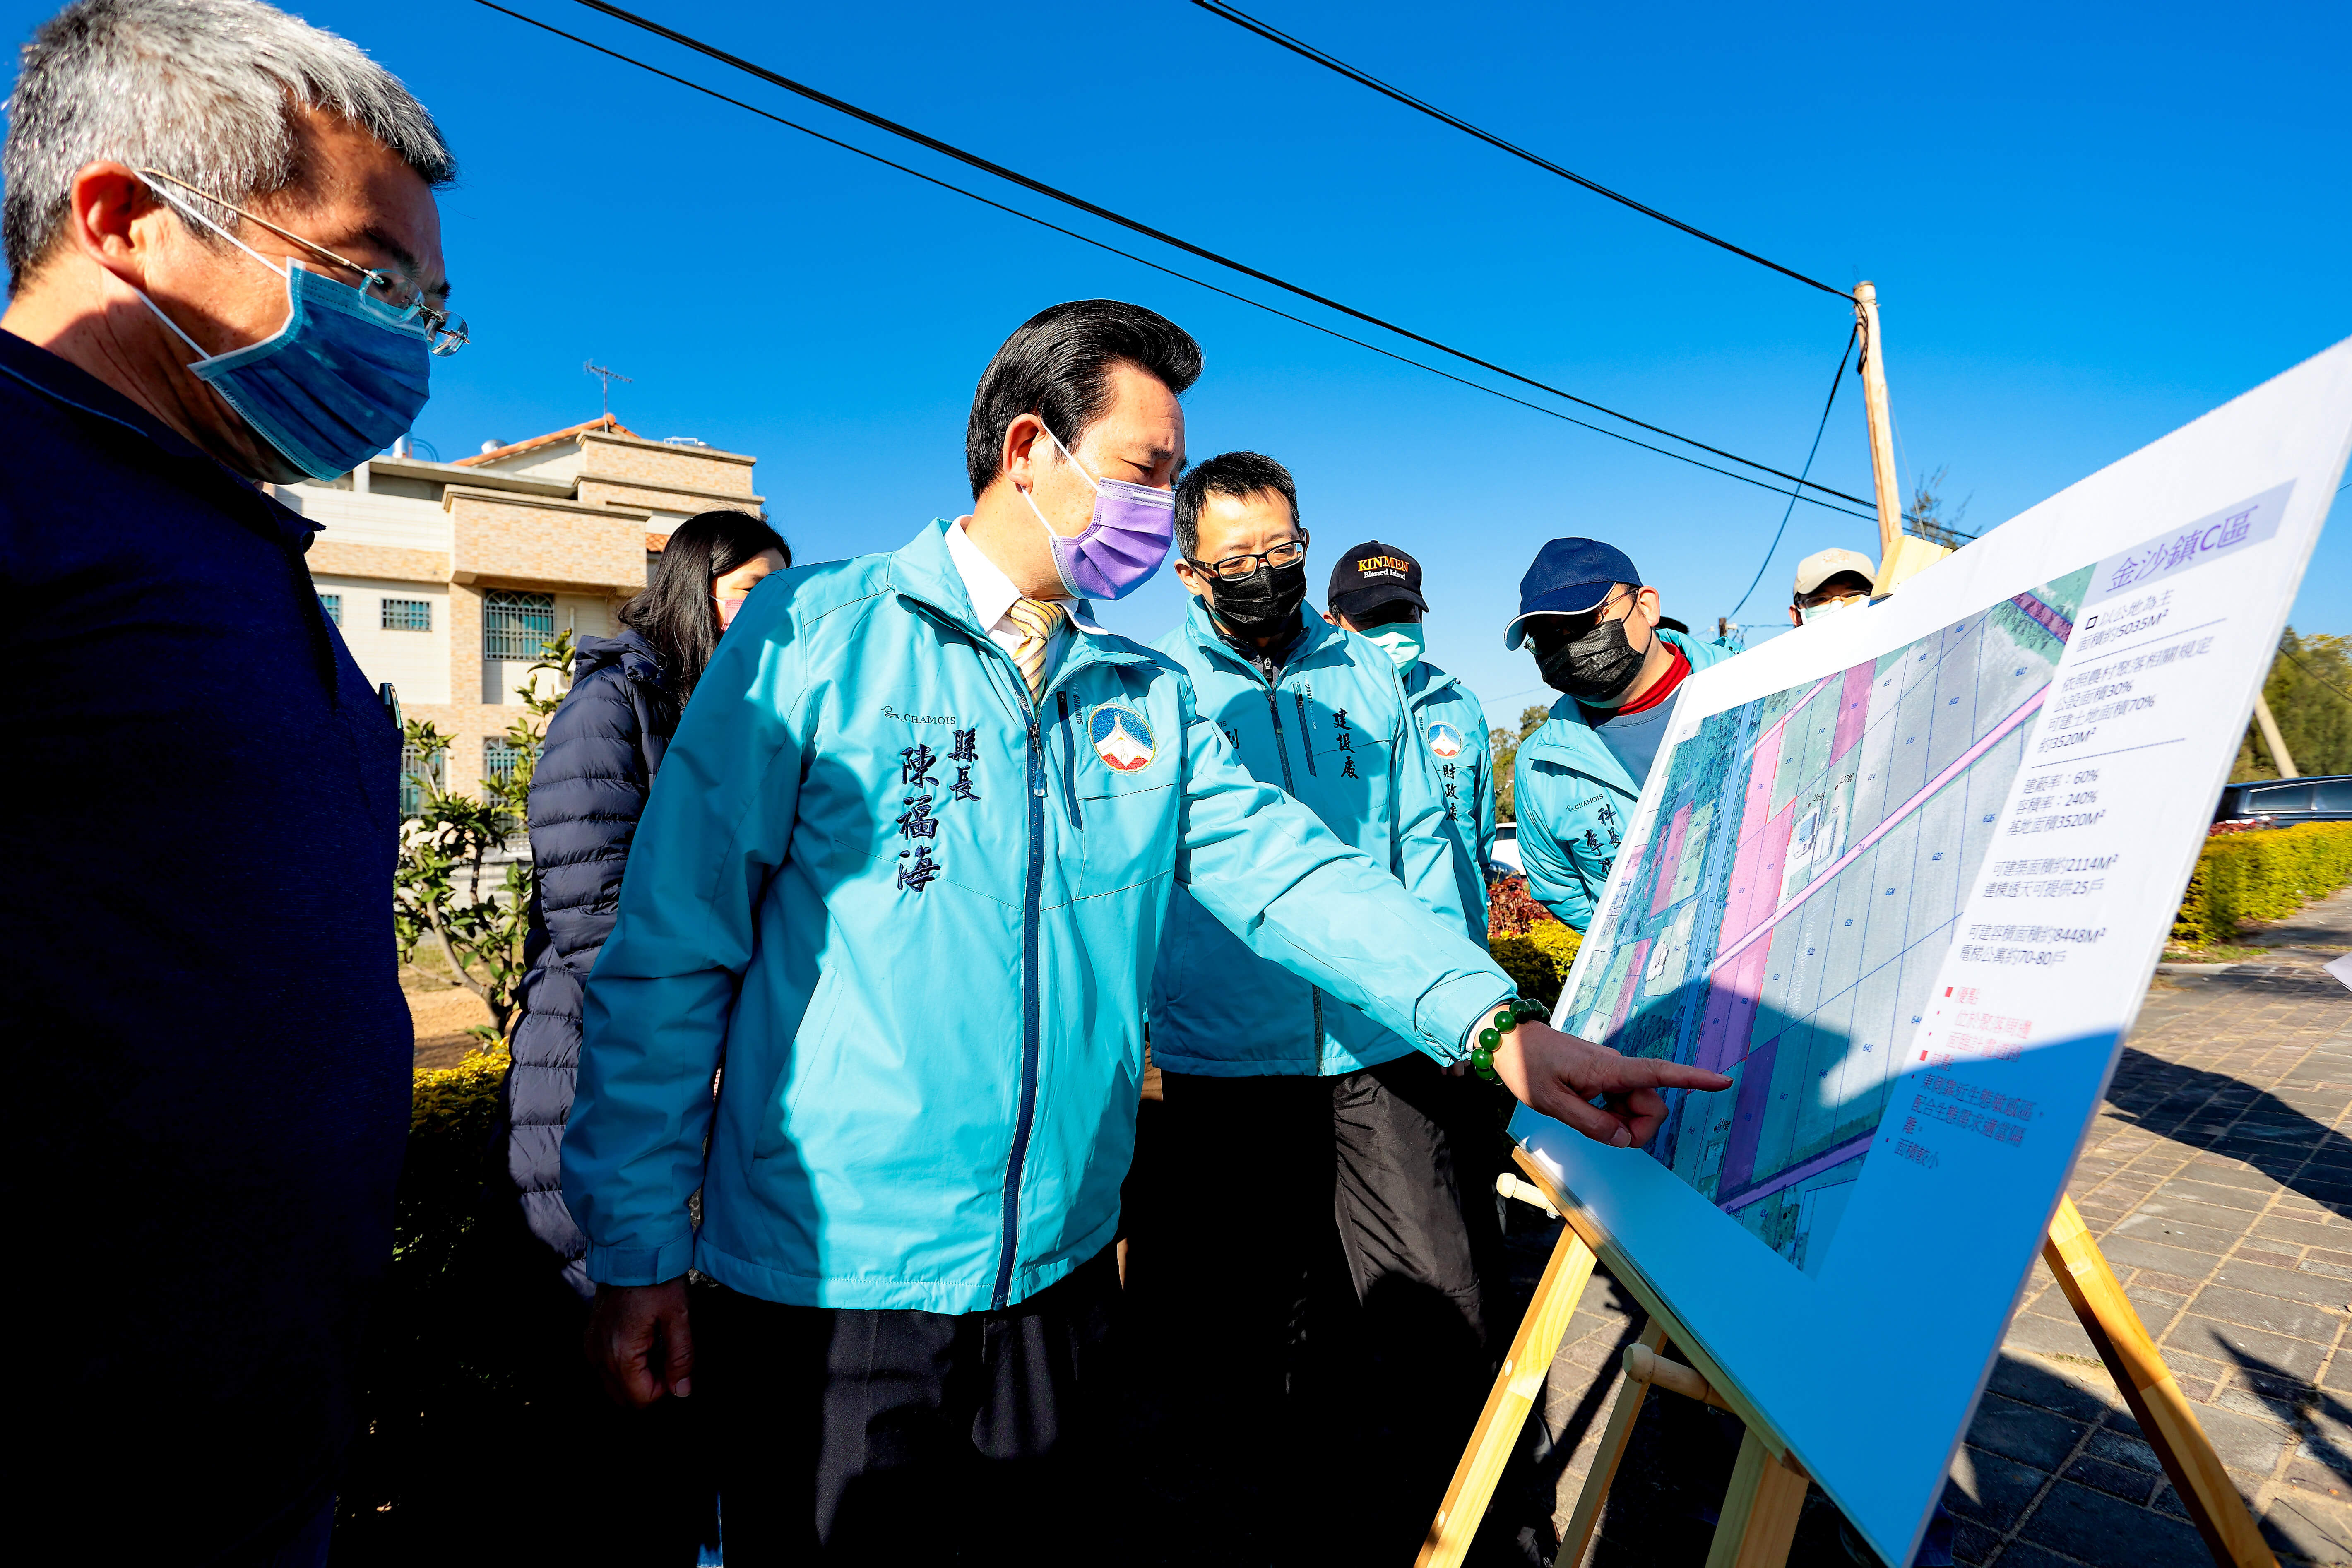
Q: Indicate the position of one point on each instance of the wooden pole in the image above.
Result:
(1515, 1392)
(2274, 740)
(1615, 1438)
(2164, 1414)
(1760, 1509)
(1881, 433)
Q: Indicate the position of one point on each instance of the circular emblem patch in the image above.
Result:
(1445, 741)
(1120, 737)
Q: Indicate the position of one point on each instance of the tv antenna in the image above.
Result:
(605, 379)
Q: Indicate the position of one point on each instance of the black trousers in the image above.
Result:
(854, 1436)
(1309, 1253)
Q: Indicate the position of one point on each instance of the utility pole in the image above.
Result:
(1899, 554)
(1882, 426)
(604, 391)
(2272, 739)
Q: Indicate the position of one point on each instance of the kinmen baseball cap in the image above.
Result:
(1372, 575)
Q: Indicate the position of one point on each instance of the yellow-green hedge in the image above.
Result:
(1538, 962)
(2261, 875)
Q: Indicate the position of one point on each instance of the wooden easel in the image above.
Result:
(1758, 1518)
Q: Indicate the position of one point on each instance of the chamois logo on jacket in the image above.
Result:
(1120, 737)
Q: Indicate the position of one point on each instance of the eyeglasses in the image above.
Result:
(1289, 553)
(1554, 631)
(444, 332)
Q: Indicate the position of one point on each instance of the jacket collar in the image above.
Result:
(1424, 678)
(61, 381)
(923, 570)
(1318, 639)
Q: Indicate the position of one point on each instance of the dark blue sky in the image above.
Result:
(2089, 224)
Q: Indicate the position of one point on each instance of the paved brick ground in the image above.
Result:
(2218, 1178)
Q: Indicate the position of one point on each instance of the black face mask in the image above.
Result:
(1265, 604)
(1597, 669)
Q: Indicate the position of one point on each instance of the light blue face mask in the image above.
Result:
(340, 381)
(1403, 641)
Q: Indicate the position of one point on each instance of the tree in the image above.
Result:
(1926, 517)
(439, 891)
(2309, 690)
(1504, 746)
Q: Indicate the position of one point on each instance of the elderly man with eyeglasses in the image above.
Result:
(226, 270)
(1598, 638)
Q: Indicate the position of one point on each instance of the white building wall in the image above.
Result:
(393, 523)
(586, 616)
(416, 663)
(558, 463)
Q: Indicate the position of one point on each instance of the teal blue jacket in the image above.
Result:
(1334, 732)
(916, 923)
(1454, 727)
(1573, 798)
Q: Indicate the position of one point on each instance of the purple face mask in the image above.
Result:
(1121, 546)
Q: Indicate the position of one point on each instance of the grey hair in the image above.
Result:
(203, 89)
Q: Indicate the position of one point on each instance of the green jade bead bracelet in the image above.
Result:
(1508, 1017)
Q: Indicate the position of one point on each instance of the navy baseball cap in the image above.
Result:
(1569, 577)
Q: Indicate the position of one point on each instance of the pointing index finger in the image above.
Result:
(1654, 1072)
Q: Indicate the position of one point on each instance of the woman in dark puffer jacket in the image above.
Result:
(603, 746)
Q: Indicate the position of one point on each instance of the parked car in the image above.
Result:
(1505, 858)
(2281, 803)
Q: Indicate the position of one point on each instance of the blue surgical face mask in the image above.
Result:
(1401, 640)
(340, 381)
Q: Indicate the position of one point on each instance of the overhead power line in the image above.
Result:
(1836, 381)
(1157, 267)
(975, 161)
(1272, 33)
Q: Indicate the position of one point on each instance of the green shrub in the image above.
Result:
(2263, 876)
(1537, 961)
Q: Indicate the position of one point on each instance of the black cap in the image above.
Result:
(1372, 575)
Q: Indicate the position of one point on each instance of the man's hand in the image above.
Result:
(1558, 1075)
(638, 1342)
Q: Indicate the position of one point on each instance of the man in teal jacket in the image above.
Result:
(1293, 1121)
(1375, 589)
(905, 874)
(1594, 629)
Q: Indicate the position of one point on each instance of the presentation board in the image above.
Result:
(1903, 874)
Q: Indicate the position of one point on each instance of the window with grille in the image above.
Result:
(412, 792)
(333, 604)
(515, 624)
(499, 758)
(409, 614)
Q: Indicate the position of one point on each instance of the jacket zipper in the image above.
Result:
(1029, 1024)
(1281, 747)
(1282, 750)
(1069, 760)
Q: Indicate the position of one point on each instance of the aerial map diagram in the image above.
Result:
(1781, 915)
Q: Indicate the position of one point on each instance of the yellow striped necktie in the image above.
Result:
(1038, 619)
